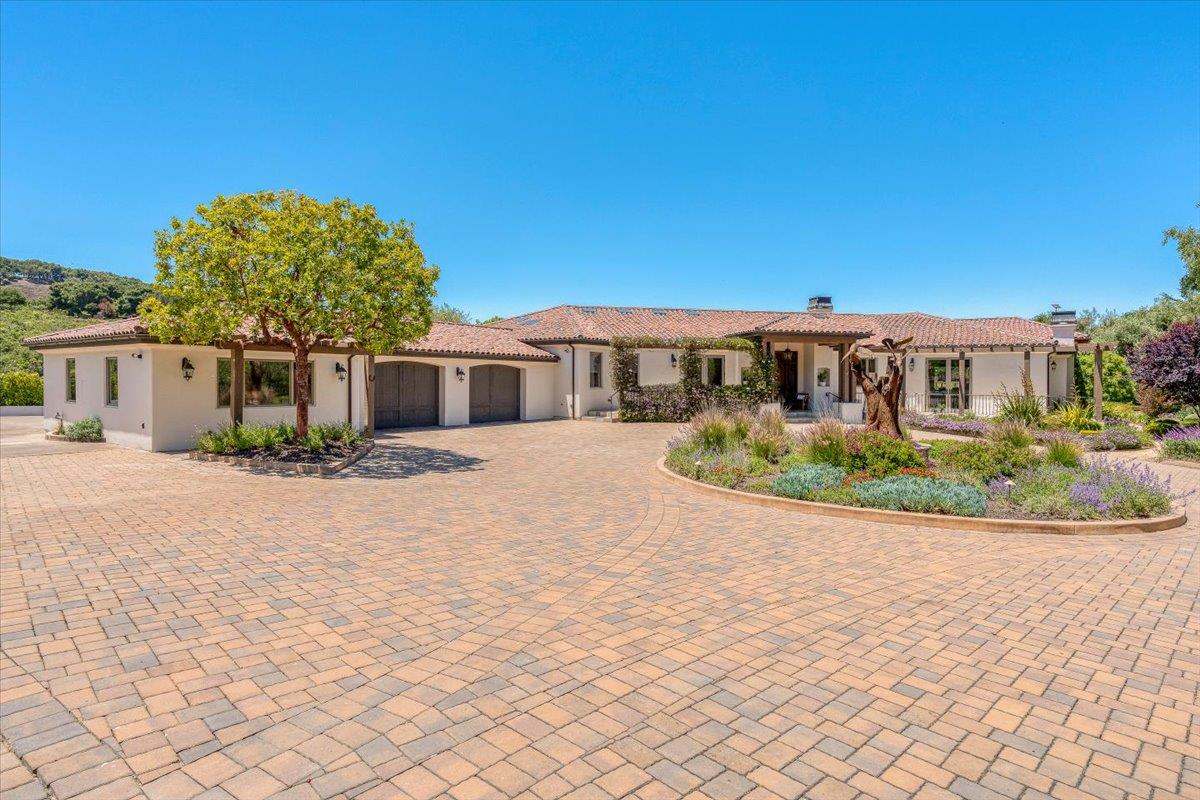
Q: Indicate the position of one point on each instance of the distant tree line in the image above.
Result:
(78, 292)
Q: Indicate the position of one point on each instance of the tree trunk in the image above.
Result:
(883, 412)
(301, 371)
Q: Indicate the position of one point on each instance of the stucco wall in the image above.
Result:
(184, 409)
(130, 422)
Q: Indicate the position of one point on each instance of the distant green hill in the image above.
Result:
(41, 296)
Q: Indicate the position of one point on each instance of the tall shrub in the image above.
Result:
(20, 389)
(1171, 363)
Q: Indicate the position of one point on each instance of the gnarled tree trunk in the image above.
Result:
(882, 400)
(301, 371)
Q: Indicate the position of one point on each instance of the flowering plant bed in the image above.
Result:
(1116, 434)
(1002, 478)
(1181, 444)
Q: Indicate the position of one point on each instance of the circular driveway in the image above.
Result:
(529, 610)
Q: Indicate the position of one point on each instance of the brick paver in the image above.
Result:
(529, 611)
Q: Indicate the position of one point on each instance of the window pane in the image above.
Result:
(716, 371)
(70, 380)
(111, 389)
(268, 383)
(595, 368)
(224, 382)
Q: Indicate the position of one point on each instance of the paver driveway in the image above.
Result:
(527, 610)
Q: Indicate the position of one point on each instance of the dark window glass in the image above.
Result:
(111, 388)
(595, 374)
(268, 383)
(716, 370)
(70, 380)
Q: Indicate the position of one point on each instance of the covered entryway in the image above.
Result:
(495, 393)
(406, 394)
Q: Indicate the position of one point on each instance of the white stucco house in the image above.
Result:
(545, 364)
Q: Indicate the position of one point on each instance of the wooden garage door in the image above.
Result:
(495, 393)
(406, 394)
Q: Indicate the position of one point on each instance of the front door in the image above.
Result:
(786, 361)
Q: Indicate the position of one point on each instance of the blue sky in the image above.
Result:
(961, 159)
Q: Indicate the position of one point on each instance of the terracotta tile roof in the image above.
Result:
(928, 330)
(110, 329)
(483, 340)
(602, 323)
(443, 337)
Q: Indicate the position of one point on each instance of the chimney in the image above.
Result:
(820, 304)
(1062, 323)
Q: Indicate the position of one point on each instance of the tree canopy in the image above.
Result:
(1187, 243)
(444, 312)
(301, 272)
(1171, 363)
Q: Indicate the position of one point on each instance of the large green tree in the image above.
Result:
(285, 269)
(1187, 243)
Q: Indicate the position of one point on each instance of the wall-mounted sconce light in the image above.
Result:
(674, 360)
(1053, 365)
(460, 373)
(340, 370)
(188, 369)
(136, 355)
(912, 363)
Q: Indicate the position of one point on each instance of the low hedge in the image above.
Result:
(21, 389)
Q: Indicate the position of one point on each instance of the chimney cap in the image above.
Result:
(820, 302)
(1063, 316)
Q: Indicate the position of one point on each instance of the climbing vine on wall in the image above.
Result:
(676, 402)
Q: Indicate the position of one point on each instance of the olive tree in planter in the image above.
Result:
(281, 268)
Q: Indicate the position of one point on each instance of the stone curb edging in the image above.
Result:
(287, 466)
(62, 437)
(978, 524)
(1175, 462)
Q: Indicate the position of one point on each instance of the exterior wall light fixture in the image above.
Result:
(340, 370)
(912, 363)
(188, 369)
(460, 373)
(674, 360)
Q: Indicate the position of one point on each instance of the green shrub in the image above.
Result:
(801, 482)
(1023, 406)
(1012, 433)
(799, 455)
(713, 429)
(85, 430)
(20, 389)
(1182, 449)
(839, 495)
(879, 455)
(1064, 449)
(1073, 416)
(927, 495)
(682, 456)
(768, 437)
(979, 462)
(828, 442)
(338, 432)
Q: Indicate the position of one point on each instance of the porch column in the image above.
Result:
(962, 380)
(370, 420)
(237, 388)
(844, 392)
(1098, 383)
(350, 389)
